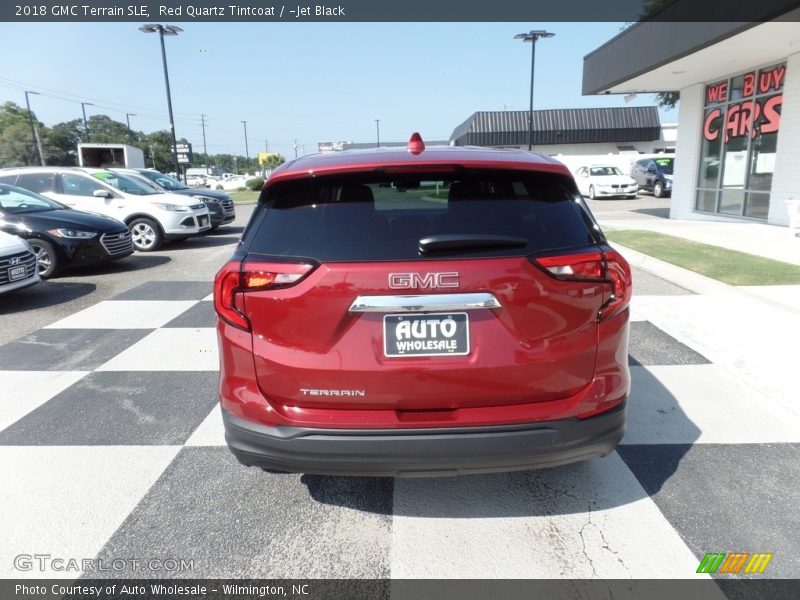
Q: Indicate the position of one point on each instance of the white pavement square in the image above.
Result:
(24, 391)
(125, 314)
(179, 349)
(211, 431)
(582, 521)
(67, 501)
(690, 404)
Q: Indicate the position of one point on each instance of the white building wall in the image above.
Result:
(687, 153)
(786, 179)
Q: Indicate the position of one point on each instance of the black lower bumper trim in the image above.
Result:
(423, 452)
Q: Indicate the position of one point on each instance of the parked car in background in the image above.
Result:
(412, 312)
(196, 180)
(605, 181)
(654, 175)
(231, 183)
(220, 205)
(152, 217)
(59, 236)
(17, 264)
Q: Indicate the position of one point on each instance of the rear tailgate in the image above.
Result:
(345, 335)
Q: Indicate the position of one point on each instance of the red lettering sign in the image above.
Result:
(717, 93)
(771, 80)
(711, 129)
(749, 85)
(772, 116)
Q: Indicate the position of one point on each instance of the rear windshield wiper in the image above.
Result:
(469, 241)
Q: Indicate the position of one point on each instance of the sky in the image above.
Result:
(308, 82)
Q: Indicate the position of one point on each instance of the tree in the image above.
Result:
(668, 99)
(16, 146)
(105, 130)
(274, 161)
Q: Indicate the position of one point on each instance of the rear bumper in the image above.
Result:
(424, 452)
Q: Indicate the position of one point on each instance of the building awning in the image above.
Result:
(652, 56)
(559, 126)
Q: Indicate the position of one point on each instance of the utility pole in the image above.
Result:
(153, 154)
(128, 120)
(205, 151)
(39, 144)
(85, 122)
(295, 147)
(36, 146)
(378, 128)
(246, 148)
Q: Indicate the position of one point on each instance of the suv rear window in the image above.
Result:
(378, 217)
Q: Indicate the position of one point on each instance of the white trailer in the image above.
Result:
(110, 155)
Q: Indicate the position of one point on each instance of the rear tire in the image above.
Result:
(146, 235)
(46, 257)
(658, 189)
(592, 195)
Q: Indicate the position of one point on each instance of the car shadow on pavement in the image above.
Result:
(226, 230)
(662, 212)
(596, 484)
(47, 293)
(134, 262)
(202, 241)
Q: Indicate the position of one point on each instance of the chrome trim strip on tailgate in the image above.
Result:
(426, 303)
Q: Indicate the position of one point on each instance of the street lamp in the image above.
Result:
(128, 120)
(163, 30)
(33, 127)
(378, 129)
(532, 37)
(85, 122)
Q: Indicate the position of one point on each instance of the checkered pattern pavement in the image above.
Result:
(111, 445)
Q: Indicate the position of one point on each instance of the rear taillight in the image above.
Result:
(607, 266)
(235, 279)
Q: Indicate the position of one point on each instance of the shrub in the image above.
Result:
(255, 185)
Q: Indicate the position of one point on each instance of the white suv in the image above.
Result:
(151, 216)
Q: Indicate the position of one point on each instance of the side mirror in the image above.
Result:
(101, 194)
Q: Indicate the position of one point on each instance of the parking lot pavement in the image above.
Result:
(112, 446)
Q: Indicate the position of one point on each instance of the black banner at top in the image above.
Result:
(398, 10)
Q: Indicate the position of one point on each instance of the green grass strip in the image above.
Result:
(729, 266)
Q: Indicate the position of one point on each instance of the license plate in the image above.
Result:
(432, 334)
(15, 273)
(203, 221)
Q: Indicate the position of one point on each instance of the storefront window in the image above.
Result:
(740, 136)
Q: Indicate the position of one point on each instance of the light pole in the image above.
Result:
(33, 127)
(163, 30)
(246, 147)
(378, 130)
(85, 122)
(128, 121)
(532, 37)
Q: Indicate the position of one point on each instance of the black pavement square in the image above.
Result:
(234, 521)
(110, 408)
(727, 497)
(649, 346)
(67, 349)
(168, 290)
(200, 315)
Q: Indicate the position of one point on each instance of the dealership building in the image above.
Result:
(570, 131)
(737, 155)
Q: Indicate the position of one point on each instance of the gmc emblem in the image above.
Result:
(410, 281)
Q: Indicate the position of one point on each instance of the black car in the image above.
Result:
(654, 175)
(219, 204)
(59, 235)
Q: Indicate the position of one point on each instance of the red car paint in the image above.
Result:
(294, 354)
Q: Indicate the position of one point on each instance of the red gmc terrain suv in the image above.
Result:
(412, 311)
